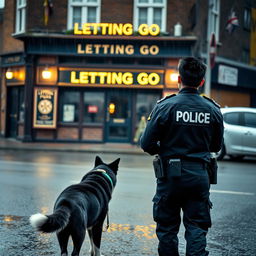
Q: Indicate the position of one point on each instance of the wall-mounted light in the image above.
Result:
(171, 78)
(174, 77)
(9, 74)
(111, 108)
(46, 73)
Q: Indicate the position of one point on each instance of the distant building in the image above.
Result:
(234, 24)
(87, 71)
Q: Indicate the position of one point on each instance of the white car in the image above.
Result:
(239, 132)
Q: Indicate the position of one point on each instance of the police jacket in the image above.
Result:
(185, 125)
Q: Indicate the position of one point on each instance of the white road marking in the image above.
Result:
(232, 192)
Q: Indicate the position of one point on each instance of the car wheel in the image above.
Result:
(221, 153)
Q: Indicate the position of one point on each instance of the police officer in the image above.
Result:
(183, 130)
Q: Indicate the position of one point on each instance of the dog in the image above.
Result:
(79, 207)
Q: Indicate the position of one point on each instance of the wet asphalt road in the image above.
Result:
(31, 181)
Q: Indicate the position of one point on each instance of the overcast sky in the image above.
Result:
(1, 3)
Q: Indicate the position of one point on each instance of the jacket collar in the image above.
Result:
(189, 90)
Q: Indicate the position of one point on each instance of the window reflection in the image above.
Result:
(69, 107)
(94, 107)
(144, 104)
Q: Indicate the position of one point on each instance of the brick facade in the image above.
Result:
(117, 11)
(233, 44)
(191, 14)
(10, 44)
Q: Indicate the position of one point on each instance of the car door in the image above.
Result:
(249, 133)
(233, 133)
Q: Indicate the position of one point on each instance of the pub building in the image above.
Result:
(93, 85)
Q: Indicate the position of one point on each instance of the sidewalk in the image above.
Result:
(121, 148)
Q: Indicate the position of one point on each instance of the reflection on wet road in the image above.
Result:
(17, 238)
(30, 183)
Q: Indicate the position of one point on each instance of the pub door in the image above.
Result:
(118, 116)
(12, 112)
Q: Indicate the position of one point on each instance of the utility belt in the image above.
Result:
(172, 167)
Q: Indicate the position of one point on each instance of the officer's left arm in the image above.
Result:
(150, 138)
(217, 138)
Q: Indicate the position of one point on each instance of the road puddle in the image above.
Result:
(140, 231)
(17, 236)
(9, 220)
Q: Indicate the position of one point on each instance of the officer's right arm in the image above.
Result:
(149, 141)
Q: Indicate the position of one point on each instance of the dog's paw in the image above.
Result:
(92, 253)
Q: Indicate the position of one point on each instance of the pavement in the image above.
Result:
(121, 148)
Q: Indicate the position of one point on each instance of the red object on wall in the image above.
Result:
(92, 109)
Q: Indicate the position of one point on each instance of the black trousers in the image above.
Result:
(189, 193)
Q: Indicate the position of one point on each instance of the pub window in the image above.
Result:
(69, 107)
(145, 102)
(83, 11)
(150, 12)
(247, 19)
(20, 16)
(94, 107)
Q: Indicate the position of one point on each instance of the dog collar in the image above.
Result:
(106, 175)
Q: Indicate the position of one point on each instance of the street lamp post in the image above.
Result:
(210, 51)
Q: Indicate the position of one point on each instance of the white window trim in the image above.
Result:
(21, 8)
(84, 11)
(150, 7)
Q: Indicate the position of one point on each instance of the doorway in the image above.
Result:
(118, 116)
(12, 112)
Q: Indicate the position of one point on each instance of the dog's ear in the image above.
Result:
(114, 165)
(98, 161)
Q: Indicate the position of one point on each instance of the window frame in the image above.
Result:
(84, 16)
(150, 6)
(247, 19)
(244, 120)
(61, 104)
(20, 21)
(103, 111)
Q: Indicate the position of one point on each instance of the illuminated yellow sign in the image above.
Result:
(114, 78)
(116, 49)
(115, 29)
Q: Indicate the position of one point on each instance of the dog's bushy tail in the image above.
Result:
(51, 223)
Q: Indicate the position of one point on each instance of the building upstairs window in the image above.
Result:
(247, 19)
(150, 12)
(20, 16)
(83, 11)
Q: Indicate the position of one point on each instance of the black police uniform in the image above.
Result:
(188, 127)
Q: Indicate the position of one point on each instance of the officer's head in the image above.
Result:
(191, 72)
